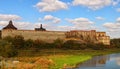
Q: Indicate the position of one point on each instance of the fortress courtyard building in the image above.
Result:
(49, 36)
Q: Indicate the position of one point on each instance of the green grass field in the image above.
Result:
(65, 58)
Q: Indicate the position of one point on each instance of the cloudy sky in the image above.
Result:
(63, 15)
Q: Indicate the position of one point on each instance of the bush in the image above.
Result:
(7, 50)
(98, 46)
(68, 44)
(18, 42)
(8, 39)
(49, 46)
(28, 44)
(90, 45)
(71, 44)
(83, 46)
(115, 43)
(58, 43)
(38, 44)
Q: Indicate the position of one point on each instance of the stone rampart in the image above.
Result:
(48, 36)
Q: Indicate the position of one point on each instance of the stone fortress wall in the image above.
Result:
(50, 36)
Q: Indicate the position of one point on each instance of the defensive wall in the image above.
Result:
(48, 36)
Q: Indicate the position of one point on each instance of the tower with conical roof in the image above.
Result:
(10, 26)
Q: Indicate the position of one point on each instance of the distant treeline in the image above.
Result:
(115, 43)
(9, 46)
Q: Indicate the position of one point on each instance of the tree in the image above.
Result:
(58, 43)
(115, 42)
(68, 44)
(18, 41)
(7, 49)
(28, 44)
(39, 44)
(8, 39)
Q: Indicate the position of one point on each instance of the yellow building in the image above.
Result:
(90, 36)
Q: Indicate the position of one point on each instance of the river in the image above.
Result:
(111, 61)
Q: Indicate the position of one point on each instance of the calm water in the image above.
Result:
(101, 62)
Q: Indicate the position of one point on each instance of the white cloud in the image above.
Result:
(48, 17)
(9, 17)
(46, 20)
(113, 28)
(118, 20)
(115, 2)
(3, 23)
(112, 25)
(51, 19)
(100, 18)
(24, 25)
(50, 5)
(118, 9)
(81, 23)
(93, 4)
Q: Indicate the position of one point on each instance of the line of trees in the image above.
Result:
(115, 43)
(9, 46)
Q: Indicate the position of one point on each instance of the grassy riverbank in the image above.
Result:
(57, 58)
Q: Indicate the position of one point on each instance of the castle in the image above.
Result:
(49, 36)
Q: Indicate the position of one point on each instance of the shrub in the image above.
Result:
(68, 44)
(7, 50)
(58, 43)
(28, 44)
(8, 39)
(90, 45)
(18, 42)
(49, 45)
(83, 46)
(38, 44)
(98, 46)
(115, 43)
(71, 44)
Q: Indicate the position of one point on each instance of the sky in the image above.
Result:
(63, 15)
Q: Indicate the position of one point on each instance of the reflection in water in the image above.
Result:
(96, 61)
(101, 62)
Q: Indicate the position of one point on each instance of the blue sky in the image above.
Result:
(63, 15)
